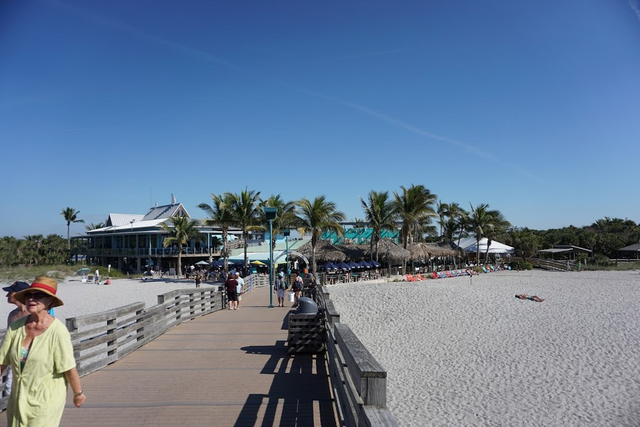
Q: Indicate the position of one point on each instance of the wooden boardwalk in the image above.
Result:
(229, 368)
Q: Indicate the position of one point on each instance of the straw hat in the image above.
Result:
(45, 285)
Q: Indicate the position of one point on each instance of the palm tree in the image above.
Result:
(246, 212)
(181, 231)
(315, 217)
(285, 216)
(220, 214)
(414, 207)
(380, 216)
(484, 222)
(70, 215)
(93, 226)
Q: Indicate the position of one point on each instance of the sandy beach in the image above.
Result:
(87, 298)
(468, 353)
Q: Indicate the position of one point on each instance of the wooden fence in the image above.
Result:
(359, 382)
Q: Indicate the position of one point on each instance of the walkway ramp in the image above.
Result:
(229, 368)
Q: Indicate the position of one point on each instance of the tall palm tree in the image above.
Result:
(70, 215)
(220, 214)
(484, 222)
(181, 230)
(380, 215)
(315, 217)
(414, 207)
(443, 215)
(246, 212)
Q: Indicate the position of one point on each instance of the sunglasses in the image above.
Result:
(35, 295)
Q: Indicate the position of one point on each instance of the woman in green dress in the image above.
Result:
(38, 348)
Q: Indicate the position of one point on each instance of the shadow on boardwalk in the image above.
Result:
(298, 394)
(229, 368)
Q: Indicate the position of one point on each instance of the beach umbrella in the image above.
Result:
(200, 263)
(363, 264)
(257, 262)
(84, 271)
(328, 266)
(353, 265)
(343, 266)
(217, 263)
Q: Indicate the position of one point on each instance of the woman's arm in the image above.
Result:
(74, 381)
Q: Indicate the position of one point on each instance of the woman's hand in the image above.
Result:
(78, 399)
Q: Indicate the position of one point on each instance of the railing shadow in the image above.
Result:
(300, 389)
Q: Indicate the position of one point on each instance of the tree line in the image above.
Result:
(415, 211)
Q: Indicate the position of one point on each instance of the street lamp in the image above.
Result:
(270, 215)
(286, 253)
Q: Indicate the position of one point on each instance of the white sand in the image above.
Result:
(86, 298)
(471, 354)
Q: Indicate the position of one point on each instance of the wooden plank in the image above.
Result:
(81, 321)
(368, 376)
(379, 416)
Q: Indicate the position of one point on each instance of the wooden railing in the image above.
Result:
(103, 338)
(359, 382)
(550, 264)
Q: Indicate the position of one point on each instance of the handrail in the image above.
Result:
(359, 382)
(551, 264)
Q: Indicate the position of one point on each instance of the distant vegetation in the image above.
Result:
(414, 211)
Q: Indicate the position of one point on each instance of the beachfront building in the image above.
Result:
(134, 243)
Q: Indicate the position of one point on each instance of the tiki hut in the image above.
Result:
(440, 250)
(352, 251)
(325, 251)
(390, 252)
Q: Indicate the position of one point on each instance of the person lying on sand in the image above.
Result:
(530, 297)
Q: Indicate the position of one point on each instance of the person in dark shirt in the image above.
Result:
(231, 285)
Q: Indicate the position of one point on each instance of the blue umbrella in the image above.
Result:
(353, 265)
(363, 264)
(328, 266)
(376, 264)
(343, 266)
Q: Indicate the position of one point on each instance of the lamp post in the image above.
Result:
(270, 215)
(286, 253)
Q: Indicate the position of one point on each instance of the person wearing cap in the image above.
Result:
(15, 314)
(21, 309)
(38, 348)
(279, 287)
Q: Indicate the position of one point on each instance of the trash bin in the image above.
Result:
(306, 306)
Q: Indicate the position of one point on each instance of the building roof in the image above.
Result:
(631, 248)
(564, 248)
(116, 220)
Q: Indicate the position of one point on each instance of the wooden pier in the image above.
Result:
(228, 368)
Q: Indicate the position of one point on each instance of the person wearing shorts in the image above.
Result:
(231, 285)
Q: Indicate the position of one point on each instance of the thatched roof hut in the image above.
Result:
(390, 251)
(440, 250)
(353, 252)
(325, 251)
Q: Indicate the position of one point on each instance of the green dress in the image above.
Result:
(39, 389)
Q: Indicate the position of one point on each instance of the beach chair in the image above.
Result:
(419, 277)
(410, 278)
(485, 269)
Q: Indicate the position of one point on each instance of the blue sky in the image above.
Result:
(110, 107)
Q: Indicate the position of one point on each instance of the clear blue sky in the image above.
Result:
(110, 106)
